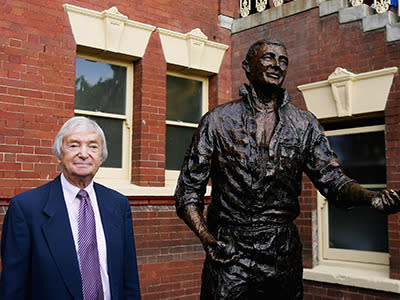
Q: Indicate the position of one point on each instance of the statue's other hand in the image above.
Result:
(217, 250)
(387, 201)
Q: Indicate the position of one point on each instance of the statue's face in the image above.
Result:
(268, 66)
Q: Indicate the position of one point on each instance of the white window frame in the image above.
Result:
(346, 255)
(123, 174)
(171, 176)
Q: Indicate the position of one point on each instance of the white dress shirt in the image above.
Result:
(70, 191)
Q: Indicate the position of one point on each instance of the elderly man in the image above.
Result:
(70, 238)
(255, 151)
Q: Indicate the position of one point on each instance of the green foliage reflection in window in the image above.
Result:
(100, 86)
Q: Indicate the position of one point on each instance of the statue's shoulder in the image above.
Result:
(294, 110)
(230, 108)
(300, 118)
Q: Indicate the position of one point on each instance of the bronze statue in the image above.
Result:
(255, 151)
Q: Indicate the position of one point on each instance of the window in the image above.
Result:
(103, 92)
(360, 234)
(187, 101)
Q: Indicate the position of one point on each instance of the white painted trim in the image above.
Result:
(108, 30)
(355, 130)
(225, 21)
(128, 189)
(192, 50)
(99, 114)
(367, 276)
(346, 94)
(180, 123)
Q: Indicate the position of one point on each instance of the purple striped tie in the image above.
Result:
(92, 288)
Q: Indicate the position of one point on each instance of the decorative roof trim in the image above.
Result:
(192, 50)
(346, 94)
(108, 30)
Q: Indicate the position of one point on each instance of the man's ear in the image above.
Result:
(60, 164)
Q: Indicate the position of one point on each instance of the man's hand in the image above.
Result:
(387, 201)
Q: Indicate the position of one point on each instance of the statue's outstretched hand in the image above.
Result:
(387, 201)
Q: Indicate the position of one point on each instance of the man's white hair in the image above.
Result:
(78, 124)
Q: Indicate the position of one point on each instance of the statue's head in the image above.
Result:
(266, 63)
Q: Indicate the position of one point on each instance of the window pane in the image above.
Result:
(184, 99)
(113, 131)
(178, 140)
(100, 86)
(362, 156)
(362, 228)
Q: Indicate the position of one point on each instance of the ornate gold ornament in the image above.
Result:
(245, 7)
(277, 2)
(356, 2)
(261, 5)
(381, 6)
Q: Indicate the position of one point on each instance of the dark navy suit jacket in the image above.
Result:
(39, 260)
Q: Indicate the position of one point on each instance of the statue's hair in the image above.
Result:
(259, 43)
(78, 124)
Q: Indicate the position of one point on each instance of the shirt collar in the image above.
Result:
(70, 190)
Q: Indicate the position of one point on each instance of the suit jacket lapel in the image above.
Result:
(57, 231)
(112, 230)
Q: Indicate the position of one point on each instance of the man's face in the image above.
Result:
(81, 155)
(268, 66)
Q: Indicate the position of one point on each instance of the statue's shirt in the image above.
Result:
(254, 181)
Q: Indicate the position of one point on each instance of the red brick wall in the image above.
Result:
(170, 257)
(229, 8)
(149, 116)
(316, 47)
(36, 90)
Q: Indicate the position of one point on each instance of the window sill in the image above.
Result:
(369, 276)
(129, 189)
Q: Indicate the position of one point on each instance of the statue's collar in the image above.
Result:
(246, 92)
